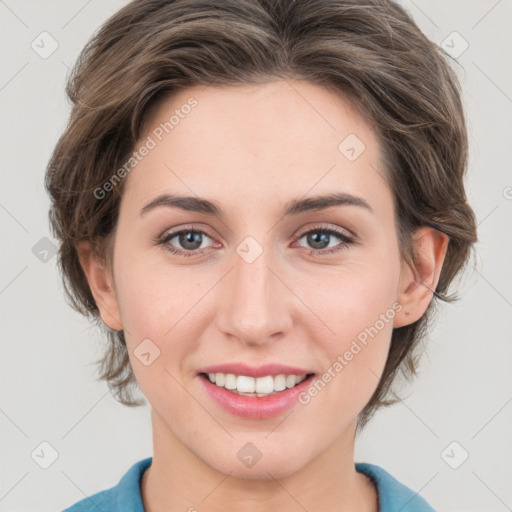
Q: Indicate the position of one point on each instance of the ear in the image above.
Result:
(417, 285)
(101, 285)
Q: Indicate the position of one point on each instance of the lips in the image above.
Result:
(245, 391)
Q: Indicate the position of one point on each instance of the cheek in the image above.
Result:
(352, 299)
(162, 315)
(150, 296)
(356, 307)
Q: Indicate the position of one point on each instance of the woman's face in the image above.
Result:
(256, 282)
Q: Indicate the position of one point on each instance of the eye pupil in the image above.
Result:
(320, 238)
(190, 237)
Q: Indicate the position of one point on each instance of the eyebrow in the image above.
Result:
(294, 207)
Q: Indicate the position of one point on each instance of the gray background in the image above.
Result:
(49, 393)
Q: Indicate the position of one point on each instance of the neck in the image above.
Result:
(178, 480)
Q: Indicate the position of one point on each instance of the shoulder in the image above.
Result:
(123, 497)
(393, 495)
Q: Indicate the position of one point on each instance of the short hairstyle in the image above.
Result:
(369, 51)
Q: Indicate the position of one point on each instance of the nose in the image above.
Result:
(255, 305)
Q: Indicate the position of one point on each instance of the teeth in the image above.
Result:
(220, 379)
(245, 384)
(280, 382)
(264, 385)
(230, 381)
(250, 386)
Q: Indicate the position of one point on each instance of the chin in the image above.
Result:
(267, 463)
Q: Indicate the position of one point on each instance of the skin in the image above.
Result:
(252, 149)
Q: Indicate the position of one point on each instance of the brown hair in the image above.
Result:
(368, 50)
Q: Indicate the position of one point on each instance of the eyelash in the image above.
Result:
(345, 241)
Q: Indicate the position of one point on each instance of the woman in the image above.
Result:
(260, 201)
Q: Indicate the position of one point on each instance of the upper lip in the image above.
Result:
(255, 371)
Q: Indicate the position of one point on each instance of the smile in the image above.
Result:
(255, 387)
(255, 398)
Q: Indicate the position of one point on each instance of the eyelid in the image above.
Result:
(345, 241)
(347, 233)
(164, 238)
(345, 236)
(178, 229)
(302, 231)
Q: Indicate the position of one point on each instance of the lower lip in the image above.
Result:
(255, 407)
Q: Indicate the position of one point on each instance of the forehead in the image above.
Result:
(272, 140)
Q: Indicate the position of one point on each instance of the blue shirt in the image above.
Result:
(125, 496)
